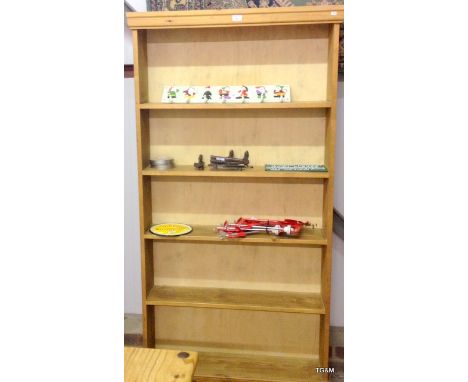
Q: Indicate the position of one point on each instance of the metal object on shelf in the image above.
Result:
(163, 163)
(248, 226)
(296, 167)
(200, 165)
(230, 162)
(170, 229)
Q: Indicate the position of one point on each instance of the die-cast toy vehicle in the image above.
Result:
(247, 226)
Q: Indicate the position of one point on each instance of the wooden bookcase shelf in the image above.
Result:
(257, 308)
(207, 234)
(226, 365)
(250, 367)
(190, 171)
(221, 298)
(252, 106)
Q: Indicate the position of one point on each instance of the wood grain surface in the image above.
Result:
(207, 202)
(275, 136)
(157, 365)
(275, 268)
(243, 17)
(245, 331)
(256, 309)
(227, 106)
(290, 55)
(240, 299)
(207, 234)
(256, 368)
(259, 172)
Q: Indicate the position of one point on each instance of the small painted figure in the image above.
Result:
(261, 92)
(171, 93)
(224, 93)
(207, 94)
(243, 93)
(189, 93)
(279, 92)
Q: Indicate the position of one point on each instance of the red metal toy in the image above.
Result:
(246, 226)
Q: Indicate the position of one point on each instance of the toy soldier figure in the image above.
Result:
(243, 93)
(207, 94)
(171, 94)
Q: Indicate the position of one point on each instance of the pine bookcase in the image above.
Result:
(256, 309)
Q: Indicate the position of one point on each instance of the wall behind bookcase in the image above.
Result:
(132, 302)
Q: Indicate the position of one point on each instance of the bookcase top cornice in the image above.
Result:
(329, 14)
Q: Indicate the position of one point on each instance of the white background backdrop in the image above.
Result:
(61, 231)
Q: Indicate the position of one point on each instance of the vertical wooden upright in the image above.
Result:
(330, 139)
(144, 183)
(257, 308)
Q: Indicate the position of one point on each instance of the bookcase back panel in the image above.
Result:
(246, 331)
(270, 136)
(207, 202)
(293, 269)
(290, 55)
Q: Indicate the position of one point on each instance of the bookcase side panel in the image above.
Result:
(144, 184)
(140, 63)
(332, 78)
